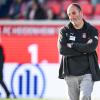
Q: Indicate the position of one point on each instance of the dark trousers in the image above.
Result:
(2, 82)
(5, 88)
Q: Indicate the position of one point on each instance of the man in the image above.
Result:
(77, 43)
(1, 72)
(36, 11)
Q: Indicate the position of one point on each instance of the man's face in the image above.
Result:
(75, 16)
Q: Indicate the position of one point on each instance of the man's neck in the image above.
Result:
(79, 25)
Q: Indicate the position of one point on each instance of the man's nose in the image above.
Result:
(71, 17)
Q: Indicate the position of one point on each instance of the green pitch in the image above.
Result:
(23, 99)
(36, 99)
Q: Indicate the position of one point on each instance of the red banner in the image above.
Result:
(24, 49)
(17, 48)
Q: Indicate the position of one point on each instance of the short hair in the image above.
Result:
(77, 6)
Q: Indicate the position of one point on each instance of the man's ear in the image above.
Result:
(81, 13)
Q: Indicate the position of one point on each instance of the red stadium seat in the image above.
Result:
(55, 6)
(97, 11)
(87, 9)
(84, 1)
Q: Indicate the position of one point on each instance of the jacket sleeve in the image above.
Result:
(62, 45)
(88, 47)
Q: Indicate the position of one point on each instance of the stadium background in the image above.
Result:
(31, 56)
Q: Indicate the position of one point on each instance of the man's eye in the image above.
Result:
(73, 13)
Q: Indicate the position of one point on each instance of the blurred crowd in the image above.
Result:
(45, 9)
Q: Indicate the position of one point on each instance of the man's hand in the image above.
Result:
(89, 41)
(69, 45)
